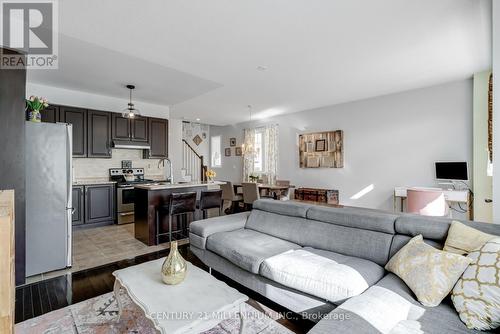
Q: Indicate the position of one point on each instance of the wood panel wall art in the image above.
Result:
(322, 149)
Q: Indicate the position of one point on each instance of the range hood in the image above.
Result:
(131, 145)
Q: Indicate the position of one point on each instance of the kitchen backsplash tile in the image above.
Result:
(85, 168)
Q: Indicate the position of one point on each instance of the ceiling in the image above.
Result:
(201, 57)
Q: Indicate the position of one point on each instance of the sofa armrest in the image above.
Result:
(200, 230)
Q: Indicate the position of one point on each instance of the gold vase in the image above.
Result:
(173, 270)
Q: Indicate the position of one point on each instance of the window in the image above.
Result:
(216, 158)
(258, 162)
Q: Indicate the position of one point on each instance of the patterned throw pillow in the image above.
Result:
(477, 294)
(463, 239)
(428, 272)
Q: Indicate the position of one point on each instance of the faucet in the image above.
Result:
(170, 179)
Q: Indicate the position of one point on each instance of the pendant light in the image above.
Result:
(131, 111)
(248, 149)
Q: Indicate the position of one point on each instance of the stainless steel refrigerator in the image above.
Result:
(48, 196)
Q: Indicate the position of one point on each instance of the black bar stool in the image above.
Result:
(180, 204)
(210, 199)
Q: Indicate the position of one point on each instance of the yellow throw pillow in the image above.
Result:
(463, 239)
(476, 296)
(428, 272)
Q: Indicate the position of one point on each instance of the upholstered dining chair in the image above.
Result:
(229, 195)
(250, 194)
(426, 202)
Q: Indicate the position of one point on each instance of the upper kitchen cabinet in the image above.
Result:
(127, 129)
(50, 114)
(139, 127)
(158, 138)
(121, 127)
(78, 118)
(99, 134)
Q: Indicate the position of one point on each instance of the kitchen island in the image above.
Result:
(148, 197)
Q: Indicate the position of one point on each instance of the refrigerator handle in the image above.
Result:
(69, 200)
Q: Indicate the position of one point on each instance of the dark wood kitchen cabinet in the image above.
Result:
(139, 126)
(78, 217)
(121, 127)
(99, 203)
(50, 114)
(135, 129)
(78, 118)
(99, 134)
(158, 139)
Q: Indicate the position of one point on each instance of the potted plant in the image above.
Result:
(34, 105)
(253, 178)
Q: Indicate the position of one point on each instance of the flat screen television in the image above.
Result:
(452, 170)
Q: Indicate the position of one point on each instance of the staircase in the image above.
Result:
(193, 168)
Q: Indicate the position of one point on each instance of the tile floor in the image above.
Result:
(94, 247)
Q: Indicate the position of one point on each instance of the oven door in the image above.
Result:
(125, 199)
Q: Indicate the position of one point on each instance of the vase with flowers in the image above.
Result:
(34, 105)
(210, 174)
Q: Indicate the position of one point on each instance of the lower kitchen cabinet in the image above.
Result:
(78, 205)
(93, 204)
(99, 203)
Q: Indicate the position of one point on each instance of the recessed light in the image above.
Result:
(261, 68)
(197, 119)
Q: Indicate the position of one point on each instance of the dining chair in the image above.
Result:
(250, 194)
(426, 202)
(229, 195)
(263, 179)
(284, 195)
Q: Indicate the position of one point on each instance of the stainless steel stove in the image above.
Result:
(125, 193)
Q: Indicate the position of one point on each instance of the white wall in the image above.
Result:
(175, 146)
(75, 98)
(192, 129)
(496, 112)
(389, 141)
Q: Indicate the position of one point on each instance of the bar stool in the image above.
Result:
(180, 204)
(210, 199)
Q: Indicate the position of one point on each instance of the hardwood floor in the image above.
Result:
(38, 298)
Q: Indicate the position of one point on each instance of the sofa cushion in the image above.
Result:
(319, 275)
(200, 230)
(440, 319)
(370, 271)
(367, 219)
(430, 273)
(286, 208)
(476, 296)
(247, 248)
(436, 228)
(355, 232)
(463, 239)
(389, 307)
(281, 226)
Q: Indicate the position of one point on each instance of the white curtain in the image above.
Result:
(270, 148)
(248, 155)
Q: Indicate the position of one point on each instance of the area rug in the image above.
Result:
(99, 315)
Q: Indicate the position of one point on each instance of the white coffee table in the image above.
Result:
(197, 304)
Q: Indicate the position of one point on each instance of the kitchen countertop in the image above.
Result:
(177, 185)
(86, 182)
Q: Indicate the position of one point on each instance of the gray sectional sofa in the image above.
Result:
(357, 239)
